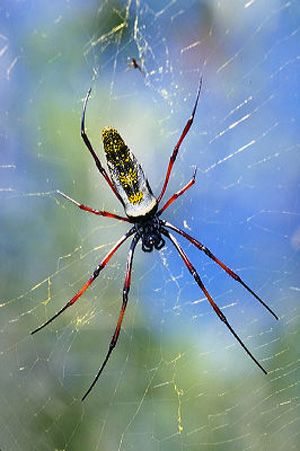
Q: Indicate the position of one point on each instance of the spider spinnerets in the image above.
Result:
(129, 184)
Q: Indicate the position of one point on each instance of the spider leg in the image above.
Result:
(219, 262)
(177, 146)
(88, 144)
(198, 280)
(89, 281)
(92, 210)
(178, 194)
(116, 334)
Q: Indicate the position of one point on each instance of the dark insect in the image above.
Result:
(135, 65)
(131, 187)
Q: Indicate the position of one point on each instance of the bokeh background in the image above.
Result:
(177, 379)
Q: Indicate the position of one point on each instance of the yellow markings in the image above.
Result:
(123, 166)
(129, 178)
(113, 143)
(136, 198)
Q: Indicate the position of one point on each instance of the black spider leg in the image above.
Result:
(179, 142)
(178, 193)
(219, 262)
(116, 334)
(198, 280)
(89, 281)
(108, 214)
(93, 153)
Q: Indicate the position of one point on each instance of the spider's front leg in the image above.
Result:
(199, 282)
(116, 334)
(229, 271)
(89, 281)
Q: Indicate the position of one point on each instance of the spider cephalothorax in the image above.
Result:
(150, 234)
(131, 187)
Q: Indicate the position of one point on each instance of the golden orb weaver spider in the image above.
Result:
(131, 187)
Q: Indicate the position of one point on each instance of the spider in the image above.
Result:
(141, 206)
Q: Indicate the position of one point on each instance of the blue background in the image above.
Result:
(177, 379)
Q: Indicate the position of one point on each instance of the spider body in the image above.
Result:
(140, 205)
(128, 177)
(131, 187)
(149, 232)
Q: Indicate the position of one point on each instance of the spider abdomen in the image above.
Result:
(127, 176)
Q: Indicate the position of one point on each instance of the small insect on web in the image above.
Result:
(135, 65)
(129, 184)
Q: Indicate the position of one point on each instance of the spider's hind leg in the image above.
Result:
(108, 214)
(178, 193)
(179, 142)
(88, 144)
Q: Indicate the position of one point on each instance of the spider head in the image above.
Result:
(149, 232)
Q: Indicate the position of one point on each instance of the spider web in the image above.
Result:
(177, 379)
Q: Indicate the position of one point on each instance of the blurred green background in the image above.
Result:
(177, 379)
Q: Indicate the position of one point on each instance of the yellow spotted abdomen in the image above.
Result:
(127, 176)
